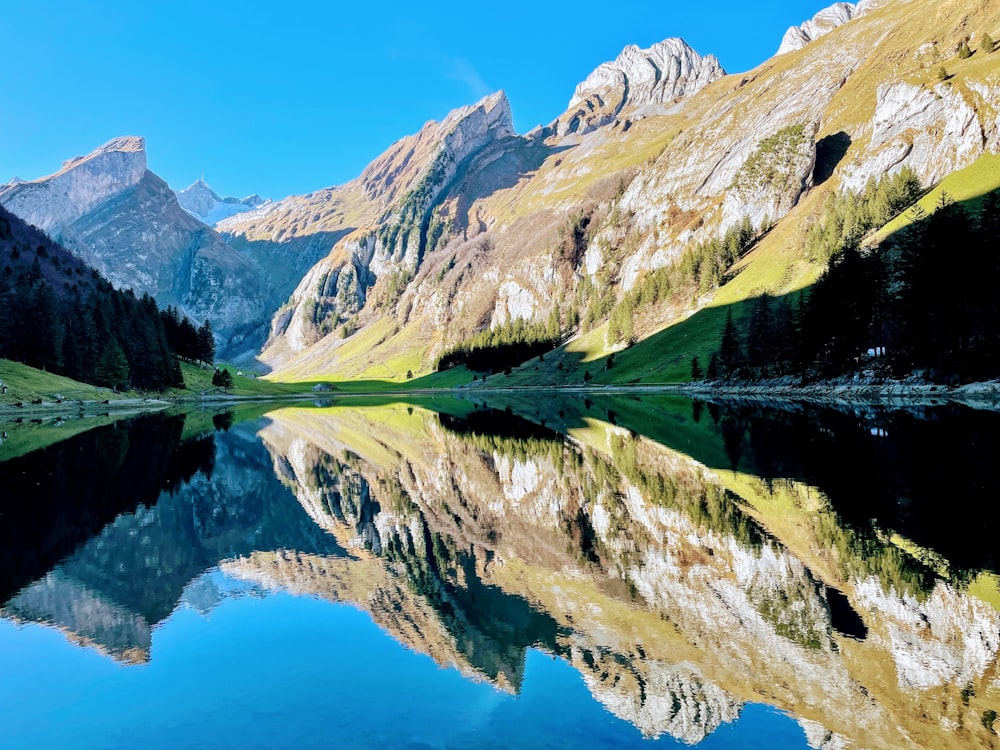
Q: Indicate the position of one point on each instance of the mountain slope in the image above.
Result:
(377, 228)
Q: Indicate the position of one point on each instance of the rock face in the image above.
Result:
(824, 22)
(772, 179)
(821, 24)
(402, 186)
(82, 184)
(203, 203)
(660, 75)
(934, 131)
(122, 219)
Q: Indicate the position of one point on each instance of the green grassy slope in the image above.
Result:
(198, 382)
(26, 384)
(967, 186)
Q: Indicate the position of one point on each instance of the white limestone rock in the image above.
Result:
(53, 202)
(947, 638)
(675, 700)
(819, 737)
(819, 25)
(513, 302)
(772, 179)
(667, 71)
(934, 131)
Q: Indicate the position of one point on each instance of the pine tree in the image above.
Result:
(112, 368)
(986, 44)
(6, 300)
(46, 330)
(759, 336)
(554, 325)
(730, 349)
(696, 373)
(206, 343)
(222, 379)
(713, 367)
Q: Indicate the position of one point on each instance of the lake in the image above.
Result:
(515, 570)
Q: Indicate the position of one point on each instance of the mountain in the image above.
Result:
(660, 156)
(111, 211)
(203, 203)
(660, 75)
(25, 249)
(378, 227)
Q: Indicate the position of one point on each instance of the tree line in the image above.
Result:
(923, 301)
(505, 346)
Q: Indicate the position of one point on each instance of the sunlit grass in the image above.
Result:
(26, 384)
(967, 186)
(198, 381)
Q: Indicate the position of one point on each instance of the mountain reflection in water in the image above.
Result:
(687, 560)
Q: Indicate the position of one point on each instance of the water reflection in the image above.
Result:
(686, 559)
(121, 519)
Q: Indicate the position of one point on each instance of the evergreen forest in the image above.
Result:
(923, 301)
(60, 316)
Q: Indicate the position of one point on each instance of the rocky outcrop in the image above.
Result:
(821, 24)
(772, 179)
(948, 638)
(661, 75)
(112, 212)
(203, 203)
(933, 130)
(674, 700)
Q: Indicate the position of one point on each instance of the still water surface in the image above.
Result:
(589, 572)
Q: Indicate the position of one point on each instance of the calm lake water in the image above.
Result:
(530, 572)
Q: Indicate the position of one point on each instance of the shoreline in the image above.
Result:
(983, 395)
(123, 406)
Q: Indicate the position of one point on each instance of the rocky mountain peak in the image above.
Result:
(203, 203)
(125, 143)
(666, 71)
(819, 25)
(82, 183)
(459, 134)
(495, 105)
(826, 21)
(129, 151)
(640, 81)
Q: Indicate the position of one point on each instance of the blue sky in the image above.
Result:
(285, 98)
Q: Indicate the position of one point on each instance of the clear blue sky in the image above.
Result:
(287, 97)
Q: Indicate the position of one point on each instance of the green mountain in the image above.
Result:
(467, 225)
